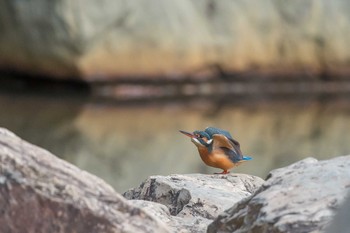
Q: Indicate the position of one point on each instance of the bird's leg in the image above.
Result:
(223, 172)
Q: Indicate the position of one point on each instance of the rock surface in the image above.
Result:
(41, 193)
(340, 223)
(302, 197)
(114, 38)
(193, 200)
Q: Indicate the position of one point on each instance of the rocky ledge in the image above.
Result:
(193, 201)
(299, 198)
(41, 193)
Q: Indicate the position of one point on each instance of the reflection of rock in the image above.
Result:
(194, 199)
(108, 141)
(299, 198)
(41, 193)
(126, 38)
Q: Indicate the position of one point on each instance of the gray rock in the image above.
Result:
(302, 197)
(340, 223)
(42, 193)
(176, 224)
(113, 38)
(194, 200)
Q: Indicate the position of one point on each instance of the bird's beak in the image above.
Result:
(191, 135)
(194, 138)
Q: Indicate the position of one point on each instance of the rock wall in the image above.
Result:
(111, 39)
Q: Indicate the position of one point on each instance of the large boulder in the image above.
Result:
(42, 193)
(302, 197)
(115, 38)
(193, 200)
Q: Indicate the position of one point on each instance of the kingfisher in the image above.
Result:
(217, 148)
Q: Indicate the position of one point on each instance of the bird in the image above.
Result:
(217, 148)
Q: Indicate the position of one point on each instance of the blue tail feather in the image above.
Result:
(246, 158)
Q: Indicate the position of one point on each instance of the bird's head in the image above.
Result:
(199, 138)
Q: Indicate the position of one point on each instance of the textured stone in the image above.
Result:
(41, 193)
(302, 197)
(194, 200)
(113, 38)
(340, 223)
(176, 224)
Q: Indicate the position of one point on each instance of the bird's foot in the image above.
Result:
(223, 172)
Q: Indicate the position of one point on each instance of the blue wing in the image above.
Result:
(232, 155)
(212, 130)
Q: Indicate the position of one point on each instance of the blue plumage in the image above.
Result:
(212, 130)
(217, 148)
(246, 157)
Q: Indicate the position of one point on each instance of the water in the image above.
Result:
(126, 144)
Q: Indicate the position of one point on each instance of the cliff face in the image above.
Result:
(112, 39)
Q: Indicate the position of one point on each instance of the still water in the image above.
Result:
(125, 144)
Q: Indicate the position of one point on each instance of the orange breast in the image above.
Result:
(217, 160)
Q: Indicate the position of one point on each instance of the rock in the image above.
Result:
(42, 193)
(302, 197)
(194, 200)
(340, 223)
(177, 224)
(113, 38)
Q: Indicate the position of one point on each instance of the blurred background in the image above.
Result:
(107, 85)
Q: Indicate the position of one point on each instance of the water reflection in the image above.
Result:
(124, 145)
